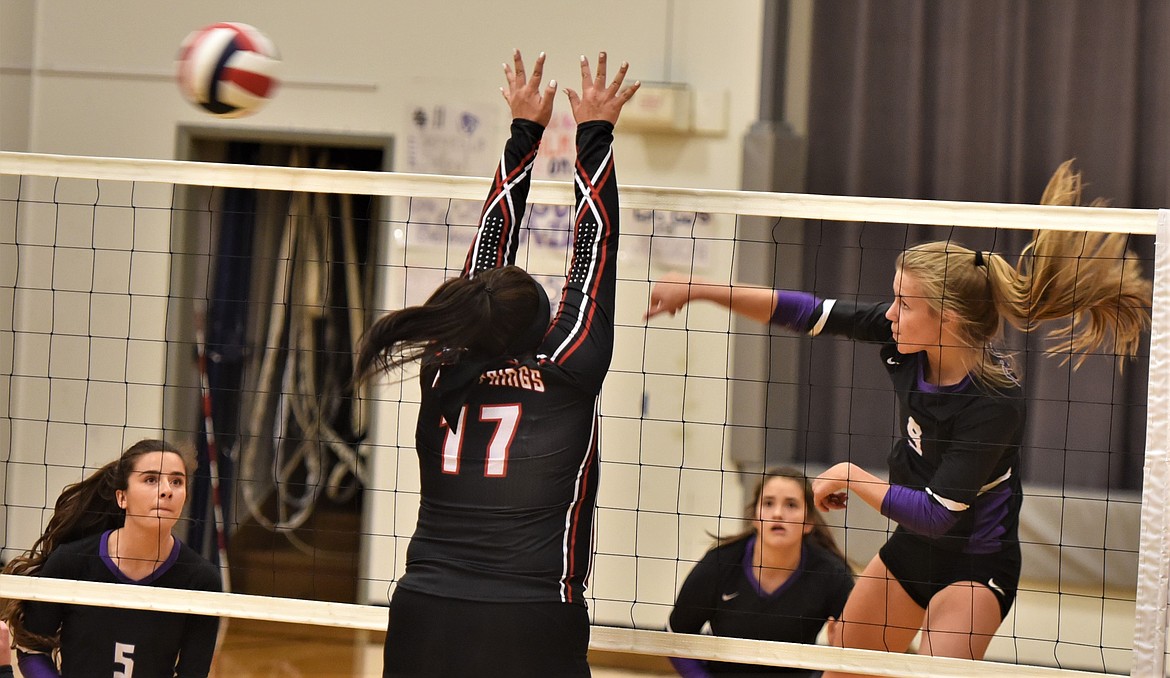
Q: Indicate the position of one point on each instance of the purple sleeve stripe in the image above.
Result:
(916, 511)
(690, 668)
(794, 310)
(36, 665)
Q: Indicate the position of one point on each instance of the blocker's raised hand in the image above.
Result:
(597, 100)
(524, 95)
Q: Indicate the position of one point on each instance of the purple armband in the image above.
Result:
(917, 511)
(794, 309)
(690, 668)
(36, 665)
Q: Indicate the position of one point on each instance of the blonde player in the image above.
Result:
(952, 566)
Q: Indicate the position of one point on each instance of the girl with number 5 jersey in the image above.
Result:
(115, 527)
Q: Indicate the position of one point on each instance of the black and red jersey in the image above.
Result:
(508, 497)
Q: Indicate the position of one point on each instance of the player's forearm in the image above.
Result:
(757, 303)
(870, 488)
(595, 181)
(498, 235)
(595, 220)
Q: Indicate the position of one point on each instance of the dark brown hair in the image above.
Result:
(479, 317)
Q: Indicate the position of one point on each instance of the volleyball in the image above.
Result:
(228, 69)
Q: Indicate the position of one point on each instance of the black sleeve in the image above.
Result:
(498, 235)
(862, 322)
(43, 618)
(581, 339)
(842, 587)
(696, 599)
(198, 647)
(199, 636)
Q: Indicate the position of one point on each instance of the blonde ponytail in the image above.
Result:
(1091, 279)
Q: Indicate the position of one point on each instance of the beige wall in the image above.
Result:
(97, 77)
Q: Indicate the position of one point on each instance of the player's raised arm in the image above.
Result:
(531, 105)
(582, 335)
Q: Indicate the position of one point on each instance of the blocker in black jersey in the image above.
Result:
(108, 641)
(507, 432)
(508, 495)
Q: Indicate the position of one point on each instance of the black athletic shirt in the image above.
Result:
(103, 641)
(507, 503)
(960, 444)
(723, 589)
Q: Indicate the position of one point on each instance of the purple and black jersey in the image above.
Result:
(723, 590)
(109, 641)
(954, 473)
(508, 497)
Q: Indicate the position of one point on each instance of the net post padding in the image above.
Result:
(1149, 638)
(634, 641)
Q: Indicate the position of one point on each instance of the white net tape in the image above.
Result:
(636, 641)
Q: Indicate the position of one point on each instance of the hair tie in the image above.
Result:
(979, 258)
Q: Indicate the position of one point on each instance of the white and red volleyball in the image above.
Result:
(228, 69)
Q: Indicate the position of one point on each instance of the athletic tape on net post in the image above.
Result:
(635, 641)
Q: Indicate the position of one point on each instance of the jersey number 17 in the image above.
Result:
(507, 419)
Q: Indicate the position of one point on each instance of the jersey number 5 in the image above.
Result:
(124, 657)
(507, 418)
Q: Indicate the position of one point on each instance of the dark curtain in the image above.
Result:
(981, 100)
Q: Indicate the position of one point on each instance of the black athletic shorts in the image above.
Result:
(433, 636)
(924, 569)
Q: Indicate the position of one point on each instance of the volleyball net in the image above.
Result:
(217, 305)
